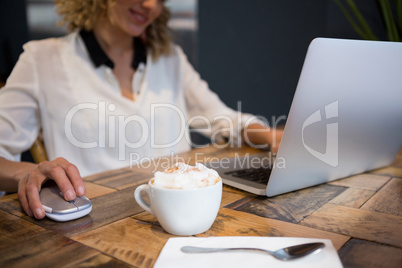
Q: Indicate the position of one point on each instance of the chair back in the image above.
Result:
(38, 151)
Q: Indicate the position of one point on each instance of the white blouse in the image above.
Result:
(55, 88)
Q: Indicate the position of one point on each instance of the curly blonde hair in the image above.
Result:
(83, 14)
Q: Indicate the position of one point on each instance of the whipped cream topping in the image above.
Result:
(183, 176)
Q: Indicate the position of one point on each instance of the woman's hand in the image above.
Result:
(274, 139)
(65, 174)
(256, 134)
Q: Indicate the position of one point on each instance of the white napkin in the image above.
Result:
(172, 256)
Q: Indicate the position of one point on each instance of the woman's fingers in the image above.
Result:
(74, 176)
(56, 172)
(28, 193)
(66, 176)
(32, 193)
(23, 197)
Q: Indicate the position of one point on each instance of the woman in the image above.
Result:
(113, 88)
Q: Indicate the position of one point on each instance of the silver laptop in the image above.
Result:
(345, 118)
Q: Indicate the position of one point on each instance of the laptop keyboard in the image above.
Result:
(260, 175)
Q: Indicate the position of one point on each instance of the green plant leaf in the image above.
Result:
(398, 7)
(355, 26)
(361, 20)
(390, 25)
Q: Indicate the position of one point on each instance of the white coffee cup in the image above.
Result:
(182, 211)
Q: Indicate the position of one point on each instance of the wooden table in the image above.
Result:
(361, 214)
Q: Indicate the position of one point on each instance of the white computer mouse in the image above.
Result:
(58, 209)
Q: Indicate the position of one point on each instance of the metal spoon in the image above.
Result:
(283, 254)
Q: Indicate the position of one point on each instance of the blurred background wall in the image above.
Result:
(13, 34)
(250, 51)
(253, 51)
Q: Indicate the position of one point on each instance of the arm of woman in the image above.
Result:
(202, 101)
(19, 127)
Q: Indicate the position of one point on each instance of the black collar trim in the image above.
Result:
(99, 57)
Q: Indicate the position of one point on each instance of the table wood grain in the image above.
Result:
(361, 215)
